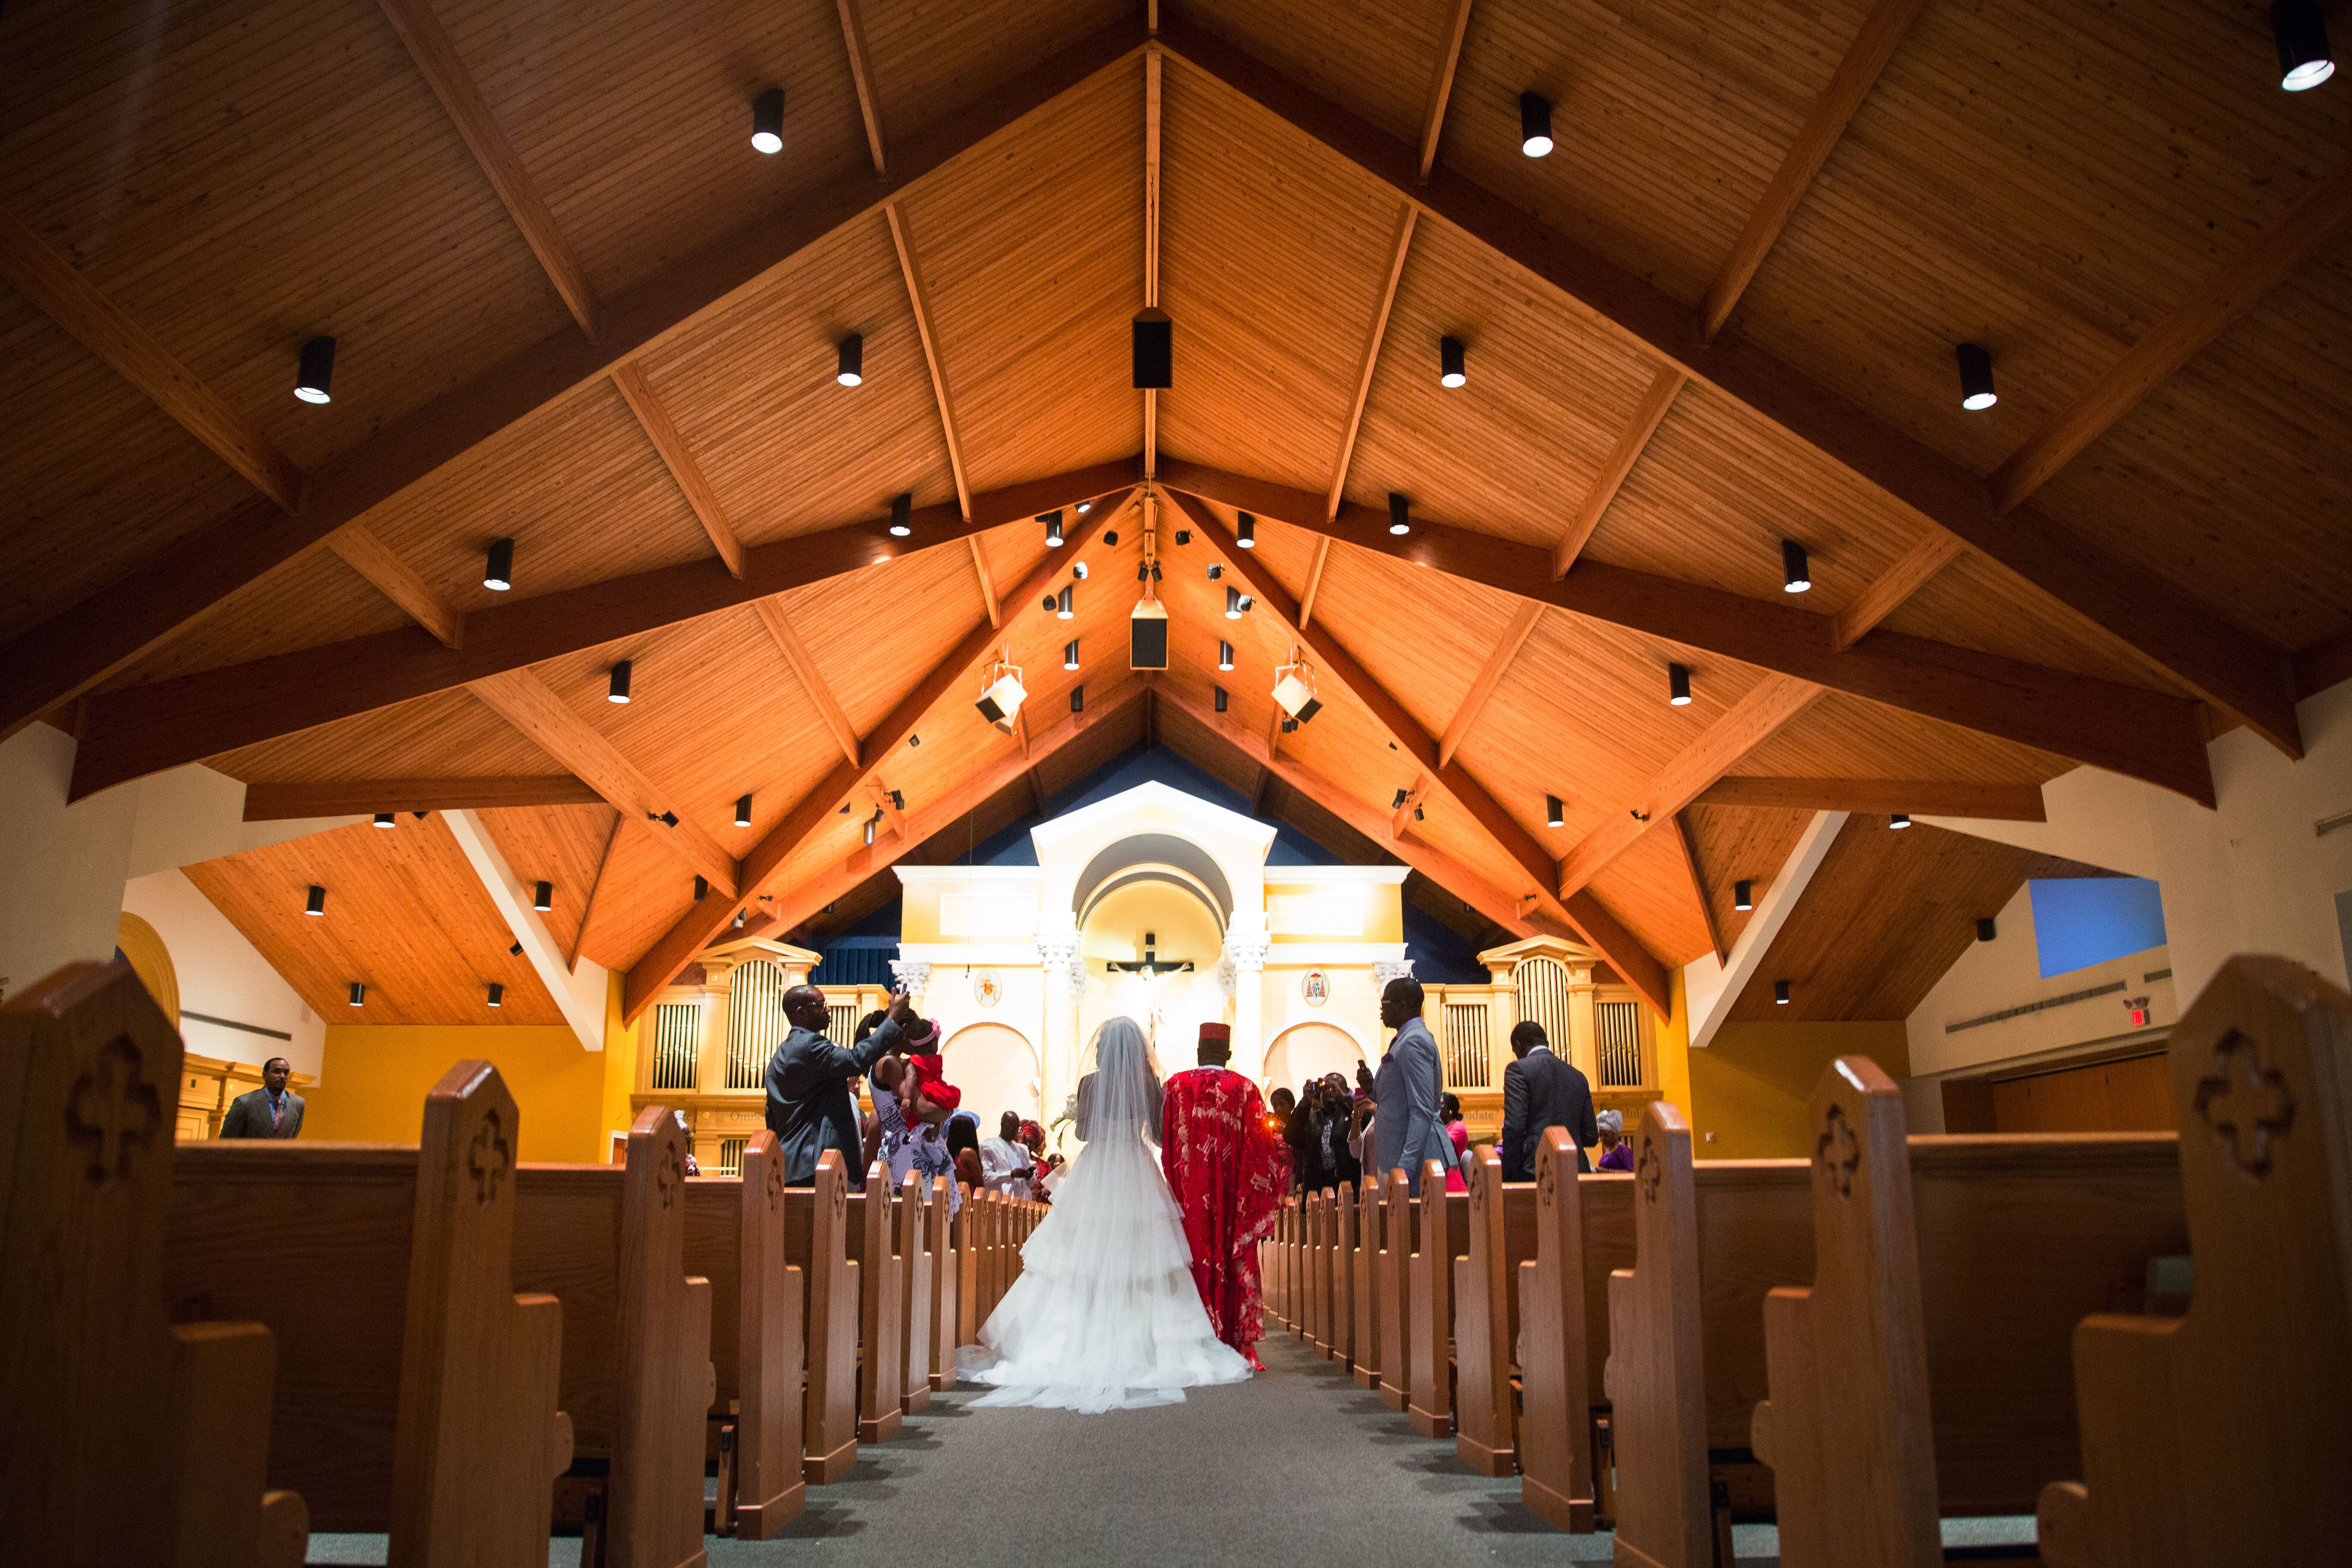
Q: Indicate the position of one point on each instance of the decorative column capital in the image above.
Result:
(1248, 952)
(1060, 956)
(719, 972)
(1387, 969)
(915, 974)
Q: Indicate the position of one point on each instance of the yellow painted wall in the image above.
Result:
(1750, 1086)
(374, 1077)
(1674, 1049)
(620, 1069)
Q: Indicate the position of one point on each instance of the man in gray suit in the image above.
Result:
(271, 1111)
(1539, 1091)
(809, 1107)
(1407, 1129)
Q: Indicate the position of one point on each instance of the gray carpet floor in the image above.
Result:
(1297, 1465)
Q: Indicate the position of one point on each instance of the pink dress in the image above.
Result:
(1461, 1136)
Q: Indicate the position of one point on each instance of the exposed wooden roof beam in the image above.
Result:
(1441, 85)
(1474, 702)
(987, 584)
(908, 269)
(1886, 593)
(1152, 64)
(278, 802)
(1689, 842)
(106, 330)
(1770, 704)
(2227, 293)
(531, 705)
(861, 74)
(844, 783)
(1373, 349)
(436, 60)
(1856, 74)
(1921, 797)
(2323, 664)
(1648, 415)
(629, 377)
(2147, 735)
(364, 551)
(1401, 820)
(879, 795)
(1037, 790)
(1314, 581)
(84, 643)
(596, 886)
(145, 728)
(813, 682)
(2147, 614)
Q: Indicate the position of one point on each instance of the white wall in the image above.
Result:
(224, 975)
(61, 867)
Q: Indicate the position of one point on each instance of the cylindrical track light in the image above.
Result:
(1070, 654)
(1398, 804)
(869, 829)
(498, 570)
(1085, 507)
(1986, 929)
(1743, 896)
(1780, 993)
(314, 378)
(1678, 685)
(1078, 697)
(902, 514)
(314, 902)
(1535, 124)
(1976, 377)
(2301, 27)
(1225, 654)
(742, 810)
(851, 370)
(498, 994)
(1222, 698)
(542, 897)
(618, 692)
(1233, 603)
(1450, 370)
(359, 994)
(1053, 521)
(1400, 514)
(1246, 532)
(702, 888)
(1796, 573)
(384, 818)
(1065, 606)
(1899, 820)
(1555, 815)
(768, 122)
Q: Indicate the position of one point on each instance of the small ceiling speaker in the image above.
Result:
(1155, 351)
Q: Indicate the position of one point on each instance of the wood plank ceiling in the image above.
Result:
(574, 309)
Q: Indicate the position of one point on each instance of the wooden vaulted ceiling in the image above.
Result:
(573, 308)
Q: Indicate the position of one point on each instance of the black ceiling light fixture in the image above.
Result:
(1796, 573)
(1085, 507)
(1535, 124)
(1976, 377)
(2305, 60)
(1678, 685)
(871, 822)
(902, 514)
(851, 370)
(1155, 351)
(618, 691)
(1246, 532)
(497, 568)
(515, 951)
(1079, 571)
(359, 994)
(314, 900)
(1400, 514)
(314, 377)
(1065, 607)
(1070, 654)
(497, 998)
(542, 897)
(1183, 536)
(1233, 603)
(667, 819)
(1555, 815)
(768, 122)
(1451, 371)
(1215, 571)
(1223, 699)
(1780, 993)
(1743, 896)
(1986, 930)
(384, 820)
(1398, 804)
(1110, 539)
(1053, 521)
(1225, 654)
(742, 810)
(1899, 820)
(1078, 697)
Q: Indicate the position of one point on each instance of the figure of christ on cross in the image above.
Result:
(1229, 1172)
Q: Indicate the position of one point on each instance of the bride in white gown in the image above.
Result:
(1104, 1315)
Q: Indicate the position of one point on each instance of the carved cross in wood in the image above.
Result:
(2245, 1103)
(489, 1158)
(669, 1174)
(1837, 1151)
(1650, 1171)
(113, 1110)
(1546, 1176)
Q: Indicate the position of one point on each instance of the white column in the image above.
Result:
(1249, 956)
(1065, 979)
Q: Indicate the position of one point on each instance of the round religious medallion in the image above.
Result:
(1316, 987)
(987, 990)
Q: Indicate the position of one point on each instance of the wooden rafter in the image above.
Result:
(2147, 735)
(436, 60)
(987, 583)
(1922, 797)
(913, 273)
(1689, 842)
(1856, 74)
(1886, 593)
(1313, 582)
(1152, 64)
(1400, 820)
(1648, 415)
(1474, 701)
(364, 551)
(531, 705)
(879, 795)
(1441, 85)
(861, 74)
(145, 728)
(596, 886)
(276, 802)
(106, 330)
(2158, 622)
(1373, 339)
(2227, 293)
(86, 642)
(813, 682)
(1770, 704)
(629, 379)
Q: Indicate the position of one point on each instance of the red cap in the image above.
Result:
(1224, 1031)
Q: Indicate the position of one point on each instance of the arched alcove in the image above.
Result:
(142, 948)
(1310, 1050)
(996, 1067)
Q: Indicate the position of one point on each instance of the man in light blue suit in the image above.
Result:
(1407, 1130)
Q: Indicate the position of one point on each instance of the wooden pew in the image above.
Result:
(939, 1241)
(123, 1437)
(1444, 1236)
(610, 1244)
(1486, 1315)
(1558, 1356)
(817, 1242)
(1316, 1282)
(735, 1239)
(1343, 1277)
(881, 1354)
(966, 1228)
(1364, 1265)
(1399, 1214)
(2224, 1435)
(910, 1237)
(417, 1393)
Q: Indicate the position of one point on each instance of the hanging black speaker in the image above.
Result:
(1155, 351)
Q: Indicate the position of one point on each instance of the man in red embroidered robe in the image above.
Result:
(1229, 1172)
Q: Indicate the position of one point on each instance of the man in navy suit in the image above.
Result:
(1539, 1091)
(1408, 1088)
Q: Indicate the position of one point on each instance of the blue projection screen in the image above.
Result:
(2081, 921)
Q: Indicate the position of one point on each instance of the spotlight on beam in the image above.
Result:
(768, 122)
(316, 373)
(851, 370)
(1535, 124)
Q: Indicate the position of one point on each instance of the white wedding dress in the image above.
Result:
(1104, 1315)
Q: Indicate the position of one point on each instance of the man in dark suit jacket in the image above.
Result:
(271, 1111)
(809, 1107)
(1539, 1091)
